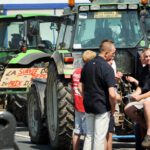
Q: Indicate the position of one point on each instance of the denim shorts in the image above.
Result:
(80, 124)
(138, 104)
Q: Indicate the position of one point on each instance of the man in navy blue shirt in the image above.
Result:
(98, 81)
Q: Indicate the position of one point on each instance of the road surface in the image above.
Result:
(23, 141)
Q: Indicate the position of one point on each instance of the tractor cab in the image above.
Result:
(86, 25)
(26, 44)
(23, 31)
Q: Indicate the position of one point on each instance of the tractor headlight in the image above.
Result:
(95, 7)
(19, 16)
(122, 6)
(84, 8)
(132, 6)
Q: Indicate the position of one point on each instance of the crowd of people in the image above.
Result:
(95, 98)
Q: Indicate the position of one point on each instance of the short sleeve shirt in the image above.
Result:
(78, 99)
(144, 79)
(97, 76)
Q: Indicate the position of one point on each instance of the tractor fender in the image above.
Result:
(57, 58)
(25, 58)
(40, 86)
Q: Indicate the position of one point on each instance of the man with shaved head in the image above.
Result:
(99, 97)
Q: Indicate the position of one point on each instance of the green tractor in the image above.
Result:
(26, 43)
(83, 27)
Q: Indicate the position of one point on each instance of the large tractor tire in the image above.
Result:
(36, 123)
(59, 110)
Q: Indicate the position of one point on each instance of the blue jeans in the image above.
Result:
(80, 124)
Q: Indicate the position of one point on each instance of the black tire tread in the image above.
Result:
(65, 111)
(42, 133)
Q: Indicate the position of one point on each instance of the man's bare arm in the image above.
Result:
(112, 98)
(138, 91)
(141, 96)
(132, 80)
(81, 88)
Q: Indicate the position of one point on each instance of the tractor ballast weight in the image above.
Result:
(83, 27)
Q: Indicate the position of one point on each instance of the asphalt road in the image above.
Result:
(23, 141)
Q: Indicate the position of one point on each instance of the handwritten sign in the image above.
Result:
(21, 77)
